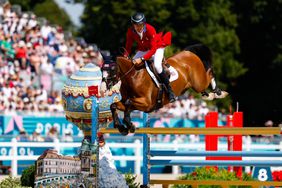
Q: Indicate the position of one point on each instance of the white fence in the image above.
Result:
(14, 156)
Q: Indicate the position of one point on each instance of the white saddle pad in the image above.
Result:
(173, 74)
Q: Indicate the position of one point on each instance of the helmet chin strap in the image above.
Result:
(140, 34)
(141, 30)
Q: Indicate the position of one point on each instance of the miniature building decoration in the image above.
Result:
(50, 162)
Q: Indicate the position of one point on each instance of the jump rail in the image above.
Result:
(215, 163)
(202, 131)
(216, 182)
(147, 153)
(154, 153)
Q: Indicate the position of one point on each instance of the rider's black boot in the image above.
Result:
(165, 80)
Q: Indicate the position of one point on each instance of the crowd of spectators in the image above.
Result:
(50, 136)
(33, 56)
(186, 107)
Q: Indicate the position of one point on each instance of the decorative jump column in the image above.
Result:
(89, 109)
(80, 92)
(234, 141)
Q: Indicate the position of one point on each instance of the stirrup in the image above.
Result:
(171, 97)
(172, 100)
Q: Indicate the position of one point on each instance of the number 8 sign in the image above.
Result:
(262, 174)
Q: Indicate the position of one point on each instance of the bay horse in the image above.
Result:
(139, 92)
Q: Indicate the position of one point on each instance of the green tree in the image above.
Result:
(105, 22)
(214, 24)
(55, 15)
(26, 5)
(260, 30)
(47, 9)
(28, 176)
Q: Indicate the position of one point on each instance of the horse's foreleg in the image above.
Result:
(141, 104)
(127, 121)
(115, 115)
(117, 124)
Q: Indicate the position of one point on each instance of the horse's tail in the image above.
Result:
(203, 52)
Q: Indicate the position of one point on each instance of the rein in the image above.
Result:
(125, 74)
(123, 50)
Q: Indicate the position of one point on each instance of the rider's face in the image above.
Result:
(138, 27)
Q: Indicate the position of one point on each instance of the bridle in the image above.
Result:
(131, 68)
(123, 74)
(127, 72)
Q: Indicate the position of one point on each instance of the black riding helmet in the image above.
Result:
(138, 18)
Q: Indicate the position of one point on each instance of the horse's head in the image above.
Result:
(124, 62)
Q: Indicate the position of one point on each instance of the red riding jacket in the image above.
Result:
(150, 41)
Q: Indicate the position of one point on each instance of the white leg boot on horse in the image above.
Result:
(215, 94)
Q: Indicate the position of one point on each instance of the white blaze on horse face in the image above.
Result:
(105, 74)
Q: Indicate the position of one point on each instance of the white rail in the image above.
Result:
(137, 157)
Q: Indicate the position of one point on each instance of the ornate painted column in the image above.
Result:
(78, 93)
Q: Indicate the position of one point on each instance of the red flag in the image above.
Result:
(92, 90)
(167, 38)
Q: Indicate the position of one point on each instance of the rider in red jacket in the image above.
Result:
(150, 45)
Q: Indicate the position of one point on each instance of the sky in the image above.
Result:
(73, 10)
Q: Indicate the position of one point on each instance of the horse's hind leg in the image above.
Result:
(117, 124)
(141, 104)
(216, 92)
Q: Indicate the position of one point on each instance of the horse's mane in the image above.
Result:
(203, 52)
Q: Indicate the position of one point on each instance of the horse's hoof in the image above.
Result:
(210, 97)
(129, 126)
(132, 129)
(115, 125)
(222, 95)
(123, 130)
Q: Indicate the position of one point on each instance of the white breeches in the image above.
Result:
(158, 58)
